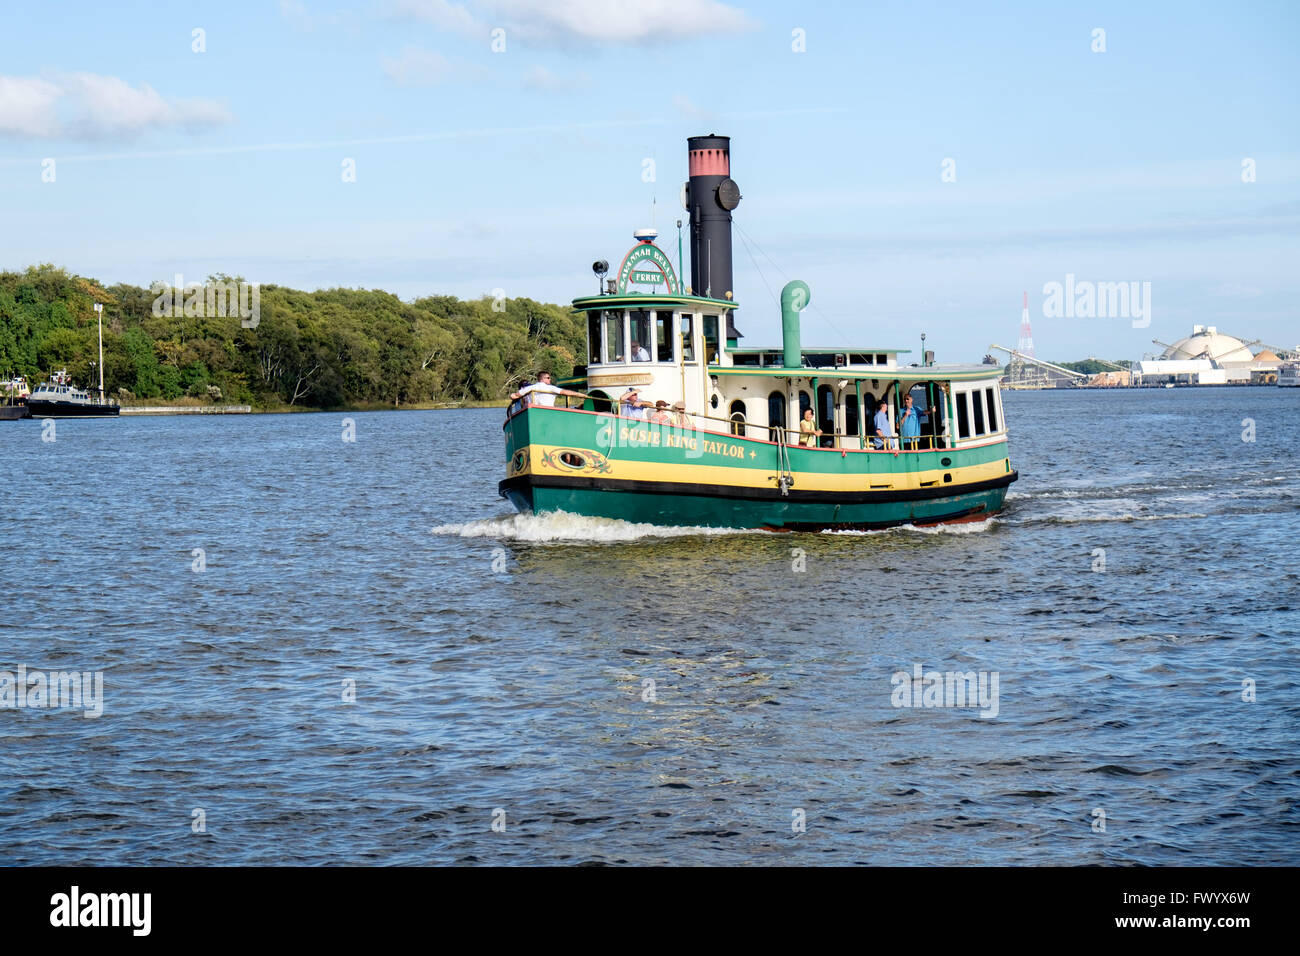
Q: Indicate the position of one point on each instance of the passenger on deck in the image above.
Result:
(910, 425)
(543, 392)
(660, 415)
(639, 354)
(884, 429)
(679, 416)
(808, 430)
(516, 405)
(631, 406)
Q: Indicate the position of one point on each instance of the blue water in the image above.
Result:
(502, 663)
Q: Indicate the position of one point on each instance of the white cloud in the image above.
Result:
(27, 106)
(98, 106)
(566, 21)
(112, 106)
(296, 13)
(416, 67)
(300, 17)
(441, 13)
(621, 21)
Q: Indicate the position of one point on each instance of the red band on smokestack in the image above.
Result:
(710, 162)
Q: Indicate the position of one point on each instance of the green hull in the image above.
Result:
(716, 512)
(560, 460)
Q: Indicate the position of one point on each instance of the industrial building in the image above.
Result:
(1206, 357)
(1211, 357)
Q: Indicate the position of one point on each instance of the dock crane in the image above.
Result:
(1280, 352)
(1030, 360)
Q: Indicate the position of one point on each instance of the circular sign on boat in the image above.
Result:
(728, 194)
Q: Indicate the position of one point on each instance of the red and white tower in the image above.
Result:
(1026, 346)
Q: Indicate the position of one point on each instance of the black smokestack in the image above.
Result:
(711, 194)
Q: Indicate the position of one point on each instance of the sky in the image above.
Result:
(918, 165)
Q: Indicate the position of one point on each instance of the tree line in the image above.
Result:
(325, 349)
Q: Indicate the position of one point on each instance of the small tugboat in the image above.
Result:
(680, 425)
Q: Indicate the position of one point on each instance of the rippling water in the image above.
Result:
(504, 663)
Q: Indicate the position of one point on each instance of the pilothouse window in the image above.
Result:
(992, 406)
(640, 349)
(710, 338)
(977, 402)
(963, 416)
(614, 336)
(593, 338)
(663, 336)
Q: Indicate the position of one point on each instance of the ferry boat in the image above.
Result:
(59, 398)
(712, 436)
(1288, 375)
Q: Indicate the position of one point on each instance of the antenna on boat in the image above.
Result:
(679, 253)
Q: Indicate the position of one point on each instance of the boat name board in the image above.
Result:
(633, 437)
(659, 273)
(623, 378)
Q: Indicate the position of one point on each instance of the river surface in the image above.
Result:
(607, 693)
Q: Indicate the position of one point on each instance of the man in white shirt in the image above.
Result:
(542, 392)
(631, 406)
(639, 354)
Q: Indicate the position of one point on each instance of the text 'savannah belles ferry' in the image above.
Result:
(712, 435)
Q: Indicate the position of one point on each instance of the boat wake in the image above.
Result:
(1122, 517)
(959, 527)
(562, 526)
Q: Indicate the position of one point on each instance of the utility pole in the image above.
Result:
(99, 314)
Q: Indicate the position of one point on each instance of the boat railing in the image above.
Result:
(771, 433)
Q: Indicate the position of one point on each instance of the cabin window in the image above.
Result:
(688, 338)
(977, 403)
(826, 414)
(992, 406)
(663, 348)
(937, 399)
(776, 414)
(738, 417)
(882, 359)
(850, 414)
(593, 338)
(640, 349)
(920, 396)
(963, 416)
(614, 350)
(710, 338)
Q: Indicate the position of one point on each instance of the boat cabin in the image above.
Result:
(681, 347)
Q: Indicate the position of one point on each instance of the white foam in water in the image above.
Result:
(1122, 517)
(964, 527)
(560, 526)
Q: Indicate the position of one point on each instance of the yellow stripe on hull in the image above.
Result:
(570, 461)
